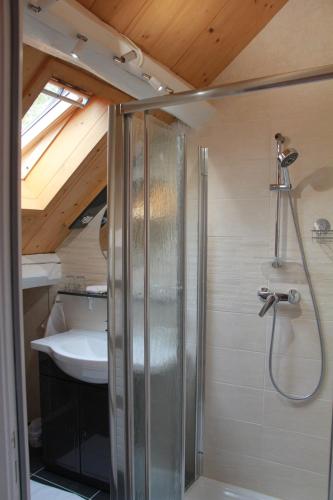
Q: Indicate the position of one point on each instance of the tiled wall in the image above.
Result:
(253, 437)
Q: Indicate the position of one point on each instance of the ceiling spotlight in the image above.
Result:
(38, 5)
(81, 40)
(154, 82)
(129, 56)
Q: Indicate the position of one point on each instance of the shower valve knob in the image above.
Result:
(294, 296)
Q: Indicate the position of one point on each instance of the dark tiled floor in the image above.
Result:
(102, 495)
(64, 483)
(40, 475)
(35, 460)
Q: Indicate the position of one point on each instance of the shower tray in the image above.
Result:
(209, 489)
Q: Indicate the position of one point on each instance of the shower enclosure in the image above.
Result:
(157, 302)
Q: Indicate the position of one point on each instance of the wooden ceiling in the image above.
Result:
(197, 39)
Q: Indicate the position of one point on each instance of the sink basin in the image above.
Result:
(82, 354)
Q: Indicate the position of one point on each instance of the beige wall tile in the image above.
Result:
(237, 367)
(234, 402)
(312, 418)
(236, 330)
(295, 449)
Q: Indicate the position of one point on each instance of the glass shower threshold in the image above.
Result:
(209, 489)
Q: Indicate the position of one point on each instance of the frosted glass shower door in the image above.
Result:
(146, 313)
(166, 308)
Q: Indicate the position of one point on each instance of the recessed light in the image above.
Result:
(81, 40)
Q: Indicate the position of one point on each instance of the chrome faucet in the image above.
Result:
(270, 298)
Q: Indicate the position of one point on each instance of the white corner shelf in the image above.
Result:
(40, 270)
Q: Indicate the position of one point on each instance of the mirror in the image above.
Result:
(103, 235)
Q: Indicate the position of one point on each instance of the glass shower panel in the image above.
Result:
(137, 229)
(165, 168)
(192, 247)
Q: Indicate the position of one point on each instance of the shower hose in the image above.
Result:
(316, 312)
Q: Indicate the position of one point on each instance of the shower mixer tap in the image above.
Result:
(270, 298)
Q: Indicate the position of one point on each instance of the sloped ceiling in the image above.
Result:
(44, 230)
(197, 39)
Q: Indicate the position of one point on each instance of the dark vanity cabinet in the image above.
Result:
(75, 426)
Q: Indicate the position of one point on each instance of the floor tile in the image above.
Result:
(66, 484)
(36, 462)
(102, 495)
(39, 491)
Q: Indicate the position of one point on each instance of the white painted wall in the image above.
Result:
(253, 437)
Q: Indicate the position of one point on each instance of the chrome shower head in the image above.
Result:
(287, 157)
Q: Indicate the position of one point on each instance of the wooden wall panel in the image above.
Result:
(33, 60)
(197, 39)
(43, 232)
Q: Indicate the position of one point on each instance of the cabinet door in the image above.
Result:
(95, 436)
(60, 411)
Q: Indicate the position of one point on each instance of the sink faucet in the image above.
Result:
(270, 298)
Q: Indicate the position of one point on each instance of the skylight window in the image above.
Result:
(54, 104)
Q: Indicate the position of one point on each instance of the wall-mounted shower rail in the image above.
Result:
(229, 89)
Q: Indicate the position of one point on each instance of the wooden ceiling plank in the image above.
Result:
(69, 196)
(167, 30)
(118, 13)
(88, 4)
(235, 26)
(67, 152)
(50, 229)
(32, 60)
(196, 39)
(36, 84)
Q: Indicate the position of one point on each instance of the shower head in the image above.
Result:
(287, 157)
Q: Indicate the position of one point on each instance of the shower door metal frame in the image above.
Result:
(202, 304)
(119, 321)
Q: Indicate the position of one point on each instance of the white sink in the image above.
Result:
(82, 354)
